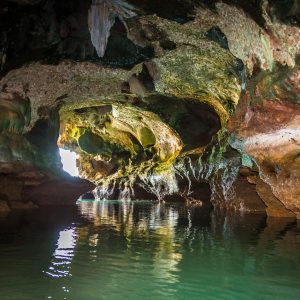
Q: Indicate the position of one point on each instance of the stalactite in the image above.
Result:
(104, 191)
(160, 185)
(102, 16)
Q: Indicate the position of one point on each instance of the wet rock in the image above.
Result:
(15, 112)
(87, 196)
(149, 119)
(22, 205)
(10, 188)
(174, 198)
(216, 35)
(273, 142)
(242, 197)
(4, 208)
(275, 208)
(61, 191)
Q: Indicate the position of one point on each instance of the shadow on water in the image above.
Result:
(151, 250)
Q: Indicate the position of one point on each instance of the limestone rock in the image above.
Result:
(197, 102)
(102, 15)
(4, 208)
(22, 206)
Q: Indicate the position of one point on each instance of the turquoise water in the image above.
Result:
(143, 250)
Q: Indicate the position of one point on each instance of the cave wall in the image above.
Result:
(198, 103)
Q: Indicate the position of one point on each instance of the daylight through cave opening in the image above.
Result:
(122, 148)
(69, 161)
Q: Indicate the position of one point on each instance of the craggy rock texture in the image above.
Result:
(130, 126)
(102, 17)
(198, 103)
(254, 44)
(29, 162)
(269, 133)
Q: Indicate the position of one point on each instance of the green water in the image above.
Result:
(142, 250)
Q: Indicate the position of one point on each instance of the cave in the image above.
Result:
(149, 149)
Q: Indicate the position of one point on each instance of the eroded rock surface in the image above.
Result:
(200, 103)
(269, 133)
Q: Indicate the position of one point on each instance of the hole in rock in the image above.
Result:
(197, 125)
(176, 10)
(69, 161)
(121, 51)
(195, 122)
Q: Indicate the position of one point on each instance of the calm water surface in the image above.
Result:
(143, 250)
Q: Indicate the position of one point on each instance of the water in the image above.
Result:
(143, 250)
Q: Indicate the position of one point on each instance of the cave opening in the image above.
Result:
(196, 122)
(118, 148)
(69, 162)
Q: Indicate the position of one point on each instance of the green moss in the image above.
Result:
(13, 116)
(147, 137)
(206, 76)
(247, 161)
(275, 85)
(123, 129)
(156, 127)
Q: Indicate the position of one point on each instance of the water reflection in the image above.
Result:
(146, 250)
(137, 222)
(62, 257)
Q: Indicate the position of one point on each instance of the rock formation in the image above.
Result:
(198, 103)
(102, 17)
